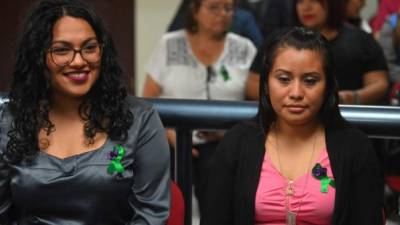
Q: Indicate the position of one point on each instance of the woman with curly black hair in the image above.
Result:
(75, 149)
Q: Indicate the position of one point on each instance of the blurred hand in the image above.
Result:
(211, 135)
(346, 97)
(195, 153)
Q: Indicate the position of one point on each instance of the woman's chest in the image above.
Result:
(86, 177)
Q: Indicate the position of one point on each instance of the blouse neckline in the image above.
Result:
(191, 52)
(322, 154)
(78, 155)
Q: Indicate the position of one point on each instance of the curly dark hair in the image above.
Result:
(299, 38)
(104, 108)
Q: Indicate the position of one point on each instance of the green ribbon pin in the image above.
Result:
(224, 73)
(116, 156)
(320, 173)
(325, 182)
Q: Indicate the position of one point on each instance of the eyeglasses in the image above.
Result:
(63, 54)
(217, 8)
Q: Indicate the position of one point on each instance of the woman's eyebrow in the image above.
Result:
(312, 73)
(69, 43)
(282, 70)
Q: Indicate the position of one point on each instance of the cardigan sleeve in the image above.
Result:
(367, 186)
(151, 188)
(219, 207)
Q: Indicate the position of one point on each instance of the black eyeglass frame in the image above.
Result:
(51, 51)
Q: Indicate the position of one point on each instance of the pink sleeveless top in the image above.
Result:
(311, 205)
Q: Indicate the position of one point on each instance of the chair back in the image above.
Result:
(177, 210)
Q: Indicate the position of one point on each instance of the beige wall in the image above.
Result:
(152, 19)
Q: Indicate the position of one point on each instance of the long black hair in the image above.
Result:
(298, 38)
(104, 108)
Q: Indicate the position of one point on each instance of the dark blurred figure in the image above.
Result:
(358, 60)
(270, 14)
(353, 10)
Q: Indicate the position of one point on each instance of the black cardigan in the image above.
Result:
(235, 174)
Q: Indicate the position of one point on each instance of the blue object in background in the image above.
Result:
(393, 19)
(245, 25)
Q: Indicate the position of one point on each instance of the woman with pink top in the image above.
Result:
(301, 163)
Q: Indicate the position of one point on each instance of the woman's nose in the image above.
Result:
(78, 60)
(296, 91)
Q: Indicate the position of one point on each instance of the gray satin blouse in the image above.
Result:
(78, 190)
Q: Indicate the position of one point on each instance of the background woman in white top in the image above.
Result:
(202, 61)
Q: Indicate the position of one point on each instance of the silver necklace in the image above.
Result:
(291, 215)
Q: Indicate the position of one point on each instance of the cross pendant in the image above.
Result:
(289, 189)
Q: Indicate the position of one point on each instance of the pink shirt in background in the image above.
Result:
(385, 8)
(316, 207)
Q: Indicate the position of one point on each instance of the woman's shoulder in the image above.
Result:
(349, 32)
(137, 105)
(237, 39)
(347, 132)
(173, 42)
(348, 141)
(144, 113)
(239, 49)
(244, 130)
(174, 35)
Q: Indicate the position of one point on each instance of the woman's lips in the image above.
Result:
(296, 109)
(80, 76)
(307, 17)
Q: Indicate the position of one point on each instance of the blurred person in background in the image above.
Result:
(385, 8)
(203, 61)
(358, 60)
(270, 14)
(353, 10)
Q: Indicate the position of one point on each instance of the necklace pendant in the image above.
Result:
(290, 189)
(291, 218)
(289, 192)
